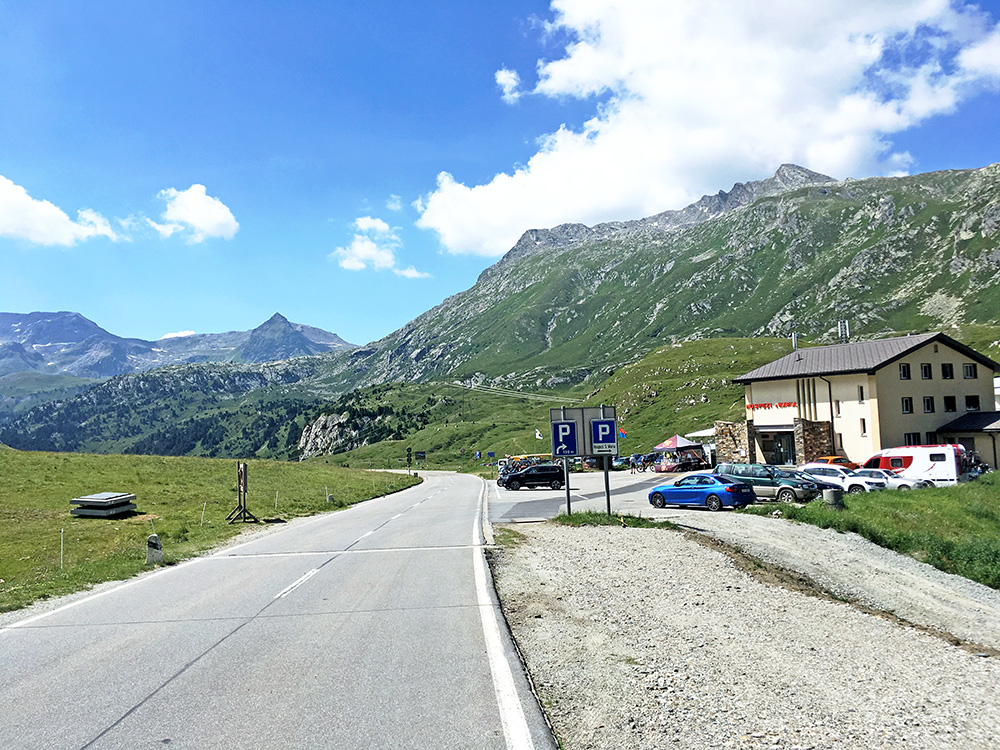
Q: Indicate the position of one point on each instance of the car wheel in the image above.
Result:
(786, 496)
(500, 482)
(855, 489)
(712, 502)
(904, 487)
(556, 484)
(658, 500)
(515, 485)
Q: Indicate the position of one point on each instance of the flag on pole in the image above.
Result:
(538, 435)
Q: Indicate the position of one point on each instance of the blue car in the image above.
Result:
(705, 490)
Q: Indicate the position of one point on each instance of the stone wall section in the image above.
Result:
(734, 442)
(812, 439)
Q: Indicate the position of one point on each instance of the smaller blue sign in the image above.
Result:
(604, 436)
(491, 454)
(564, 439)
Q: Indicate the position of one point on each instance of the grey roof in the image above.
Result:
(974, 421)
(861, 356)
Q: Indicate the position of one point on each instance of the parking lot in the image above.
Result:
(629, 494)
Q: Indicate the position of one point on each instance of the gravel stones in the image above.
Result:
(643, 638)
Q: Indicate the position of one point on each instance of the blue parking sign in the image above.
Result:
(604, 436)
(564, 439)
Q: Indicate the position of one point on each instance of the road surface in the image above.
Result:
(372, 627)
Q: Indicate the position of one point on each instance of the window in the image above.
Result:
(907, 405)
(969, 371)
(949, 403)
(928, 404)
(947, 371)
(896, 463)
(864, 427)
(861, 395)
(911, 438)
(904, 370)
(837, 407)
(930, 438)
(938, 457)
(840, 440)
(971, 402)
(926, 371)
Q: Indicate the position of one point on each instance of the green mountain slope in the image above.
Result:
(567, 307)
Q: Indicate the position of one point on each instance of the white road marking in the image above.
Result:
(515, 726)
(290, 588)
(133, 582)
(398, 515)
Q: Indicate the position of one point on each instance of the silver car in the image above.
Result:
(892, 481)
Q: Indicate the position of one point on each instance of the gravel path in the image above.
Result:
(643, 638)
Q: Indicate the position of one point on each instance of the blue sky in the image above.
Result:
(198, 166)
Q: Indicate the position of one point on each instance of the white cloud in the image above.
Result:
(178, 335)
(693, 95)
(394, 203)
(373, 246)
(195, 212)
(42, 222)
(509, 82)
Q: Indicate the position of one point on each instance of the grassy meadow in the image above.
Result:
(955, 529)
(185, 500)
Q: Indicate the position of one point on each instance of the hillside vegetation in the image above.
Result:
(569, 307)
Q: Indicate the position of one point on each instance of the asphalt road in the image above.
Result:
(629, 494)
(376, 626)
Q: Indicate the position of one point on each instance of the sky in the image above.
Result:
(195, 167)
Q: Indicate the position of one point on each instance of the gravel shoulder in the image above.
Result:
(719, 636)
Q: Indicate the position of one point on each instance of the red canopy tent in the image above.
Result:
(672, 444)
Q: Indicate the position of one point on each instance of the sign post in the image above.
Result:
(570, 438)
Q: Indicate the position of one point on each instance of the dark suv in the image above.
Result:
(543, 475)
(770, 482)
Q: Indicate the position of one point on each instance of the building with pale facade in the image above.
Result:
(858, 398)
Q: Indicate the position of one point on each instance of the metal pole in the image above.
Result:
(569, 509)
(607, 483)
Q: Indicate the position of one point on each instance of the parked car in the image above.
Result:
(837, 460)
(770, 482)
(848, 480)
(542, 475)
(823, 483)
(705, 490)
(893, 481)
(620, 463)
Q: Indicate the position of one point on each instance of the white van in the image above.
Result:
(940, 465)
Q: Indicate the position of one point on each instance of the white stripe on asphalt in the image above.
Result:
(515, 726)
(78, 602)
(290, 588)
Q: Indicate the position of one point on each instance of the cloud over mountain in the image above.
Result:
(689, 95)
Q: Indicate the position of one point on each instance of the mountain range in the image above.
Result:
(568, 306)
(68, 343)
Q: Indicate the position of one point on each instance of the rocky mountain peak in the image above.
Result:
(786, 177)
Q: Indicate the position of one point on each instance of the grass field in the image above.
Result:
(44, 551)
(955, 529)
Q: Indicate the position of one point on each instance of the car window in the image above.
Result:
(685, 482)
(705, 481)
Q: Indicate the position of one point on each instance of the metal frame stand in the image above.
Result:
(240, 513)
